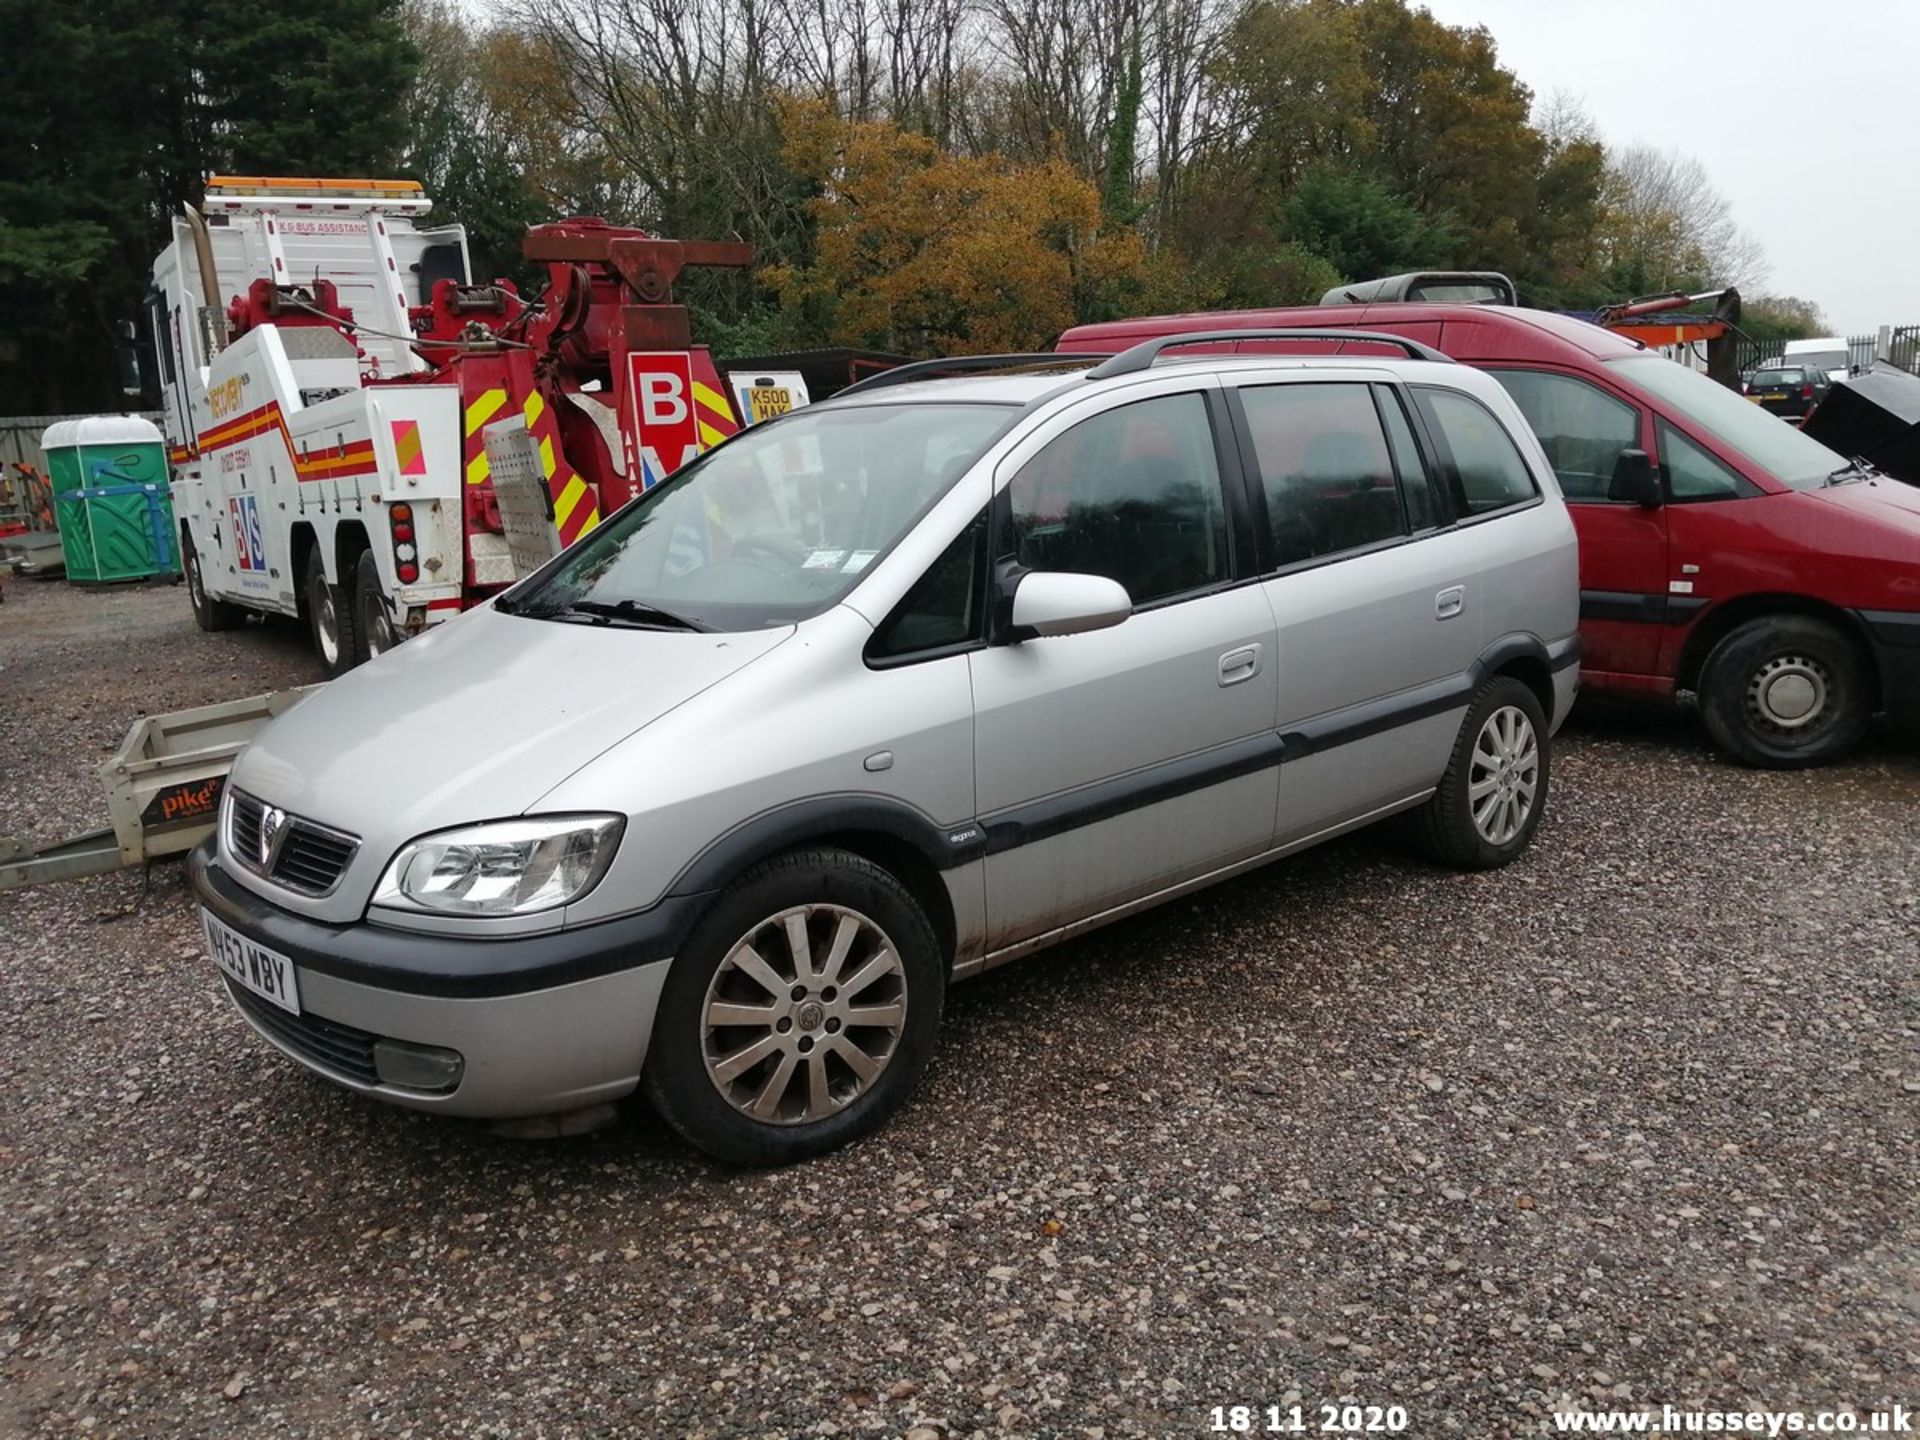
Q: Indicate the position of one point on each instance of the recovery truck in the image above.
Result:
(330, 372)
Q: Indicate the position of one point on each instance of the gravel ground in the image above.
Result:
(1631, 1122)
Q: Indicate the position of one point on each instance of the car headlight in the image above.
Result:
(505, 867)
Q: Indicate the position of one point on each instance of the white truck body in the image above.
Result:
(280, 449)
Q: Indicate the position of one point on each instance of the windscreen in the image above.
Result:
(776, 525)
(1780, 449)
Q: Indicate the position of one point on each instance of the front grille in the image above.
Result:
(334, 1047)
(310, 858)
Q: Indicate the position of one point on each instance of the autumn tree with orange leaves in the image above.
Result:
(920, 249)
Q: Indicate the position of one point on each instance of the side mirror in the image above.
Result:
(1059, 603)
(1634, 482)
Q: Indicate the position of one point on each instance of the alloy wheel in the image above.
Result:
(1504, 775)
(804, 1014)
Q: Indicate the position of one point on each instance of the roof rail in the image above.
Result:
(1141, 357)
(961, 365)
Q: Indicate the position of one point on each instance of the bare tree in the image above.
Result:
(1669, 227)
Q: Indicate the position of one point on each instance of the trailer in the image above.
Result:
(329, 370)
(163, 788)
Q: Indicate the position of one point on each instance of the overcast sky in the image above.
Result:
(1833, 192)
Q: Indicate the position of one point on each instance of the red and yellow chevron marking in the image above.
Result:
(713, 413)
(334, 462)
(484, 406)
(180, 454)
(576, 508)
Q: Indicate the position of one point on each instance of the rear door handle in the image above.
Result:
(1449, 602)
(1240, 664)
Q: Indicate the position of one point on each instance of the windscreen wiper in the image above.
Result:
(1855, 469)
(627, 612)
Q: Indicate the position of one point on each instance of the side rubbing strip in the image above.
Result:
(1104, 799)
(1358, 722)
(1625, 605)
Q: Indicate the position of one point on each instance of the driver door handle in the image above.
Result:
(1239, 664)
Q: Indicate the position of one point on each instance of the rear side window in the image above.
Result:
(1581, 427)
(1133, 494)
(1487, 471)
(1326, 470)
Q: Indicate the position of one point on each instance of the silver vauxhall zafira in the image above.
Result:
(880, 695)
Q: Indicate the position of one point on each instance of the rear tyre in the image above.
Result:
(373, 621)
(330, 620)
(208, 613)
(1495, 790)
(800, 1012)
(1785, 691)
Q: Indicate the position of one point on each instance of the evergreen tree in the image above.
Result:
(121, 113)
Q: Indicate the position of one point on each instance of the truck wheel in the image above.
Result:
(1490, 801)
(1785, 691)
(799, 1013)
(373, 621)
(208, 613)
(330, 619)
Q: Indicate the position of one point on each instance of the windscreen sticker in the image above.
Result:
(858, 561)
(823, 560)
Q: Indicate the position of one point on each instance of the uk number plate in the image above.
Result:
(267, 973)
(767, 401)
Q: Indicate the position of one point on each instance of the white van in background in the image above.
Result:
(1830, 353)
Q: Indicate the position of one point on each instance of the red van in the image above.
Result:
(1722, 552)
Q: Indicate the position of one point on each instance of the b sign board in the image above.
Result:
(660, 415)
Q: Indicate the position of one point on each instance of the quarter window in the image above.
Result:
(1488, 470)
(946, 606)
(1693, 474)
(1133, 494)
(1582, 428)
(1325, 469)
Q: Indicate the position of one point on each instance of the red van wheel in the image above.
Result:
(1785, 691)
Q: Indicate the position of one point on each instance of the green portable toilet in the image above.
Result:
(110, 498)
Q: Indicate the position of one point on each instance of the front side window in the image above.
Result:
(1133, 494)
(1581, 427)
(776, 525)
(1489, 473)
(1325, 469)
(1711, 409)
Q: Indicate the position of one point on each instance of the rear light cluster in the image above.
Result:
(406, 555)
(1806, 392)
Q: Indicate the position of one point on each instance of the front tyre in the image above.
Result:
(1785, 691)
(1490, 801)
(331, 620)
(800, 1012)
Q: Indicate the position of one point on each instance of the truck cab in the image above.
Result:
(1723, 553)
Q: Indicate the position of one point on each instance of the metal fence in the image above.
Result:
(20, 436)
(1899, 344)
